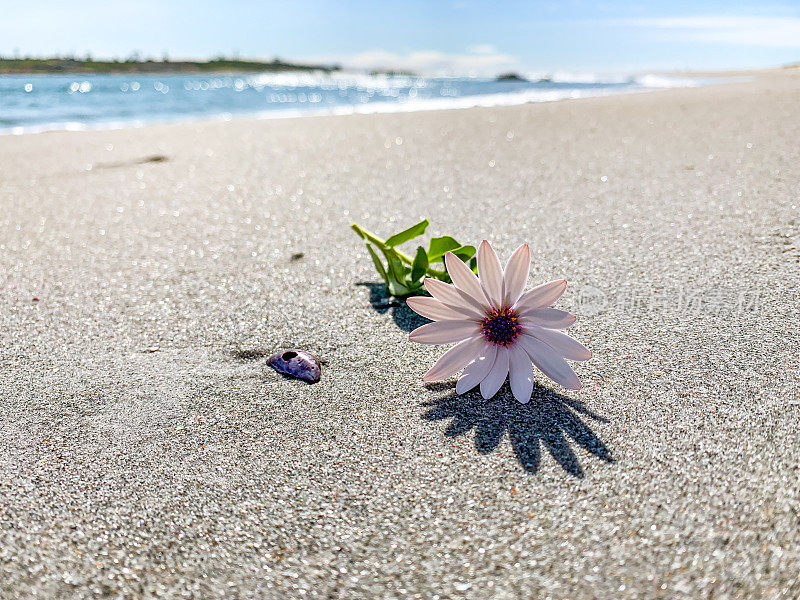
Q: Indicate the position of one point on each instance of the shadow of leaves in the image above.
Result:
(405, 318)
(550, 420)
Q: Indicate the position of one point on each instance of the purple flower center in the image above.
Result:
(501, 326)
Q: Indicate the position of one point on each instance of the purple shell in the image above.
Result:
(296, 363)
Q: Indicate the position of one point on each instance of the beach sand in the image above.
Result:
(146, 450)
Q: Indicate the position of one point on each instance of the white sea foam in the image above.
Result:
(579, 77)
(662, 81)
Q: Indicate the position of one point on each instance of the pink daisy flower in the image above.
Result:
(499, 330)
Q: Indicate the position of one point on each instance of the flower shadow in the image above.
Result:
(405, 318)
(550, 420)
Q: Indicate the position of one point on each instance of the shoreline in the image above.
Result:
(432, 105)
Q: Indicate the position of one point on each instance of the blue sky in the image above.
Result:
(455, 36)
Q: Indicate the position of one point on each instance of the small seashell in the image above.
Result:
(296, 363)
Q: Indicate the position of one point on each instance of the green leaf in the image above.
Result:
(397, 273)
(396, 288)
(464, 252)
(408, 234)
(415, 289)
(396, 268)
(420, 266)
(378, 264)
(439, 246)
(473, 264)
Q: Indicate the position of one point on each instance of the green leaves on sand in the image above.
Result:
(404, 274)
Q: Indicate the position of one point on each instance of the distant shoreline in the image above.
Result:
(28, 66)
(463, 103)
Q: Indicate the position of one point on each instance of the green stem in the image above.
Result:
(374, 239)
(371, 237)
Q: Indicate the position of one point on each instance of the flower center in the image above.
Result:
(501, 326)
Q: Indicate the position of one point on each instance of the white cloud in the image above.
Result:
(477, 60)
(775, 32)
(482, 49)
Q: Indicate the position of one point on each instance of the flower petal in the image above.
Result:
(520, 373)
(549, 362)
(454, 298)
(464, 279)
(561, 343)
(516, 274)
(477, 370)
(494, 380)
(541, 296)
(432, 309)
(455, 359)
(552, 318)
(490, 273)
(444, 332)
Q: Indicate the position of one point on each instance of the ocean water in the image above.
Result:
(30, 103)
